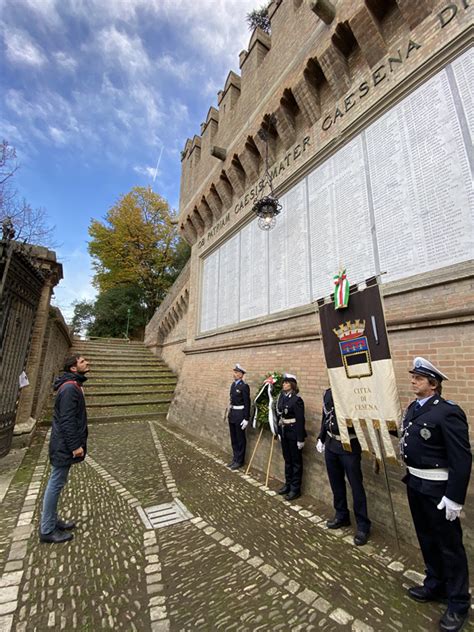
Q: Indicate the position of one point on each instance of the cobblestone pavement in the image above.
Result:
(232, 555)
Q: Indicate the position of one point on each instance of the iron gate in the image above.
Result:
(20, 291)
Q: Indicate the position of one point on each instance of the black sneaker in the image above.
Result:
(56, 537)
(423, 594)
(292, 495)
(337, 523)
(62, 525)
(453, 621)
(361, 538)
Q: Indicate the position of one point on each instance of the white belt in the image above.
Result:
(237, 407)
(437, 474)
(284, 422)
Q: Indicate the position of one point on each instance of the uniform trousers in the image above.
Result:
(348, 464)
(238, 440)
(293, 463)
(443, 551)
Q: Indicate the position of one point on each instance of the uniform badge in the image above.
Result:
(238, 390)
(285, 410)
(425, 433)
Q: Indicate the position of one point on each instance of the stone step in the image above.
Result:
(107, 342)
(129, 409)
(145, 401)
(133, 371)
(116, 364)
(116, 418)
(129, 380)
(115, 353)
(153, 389)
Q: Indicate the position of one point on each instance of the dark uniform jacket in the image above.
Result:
(69, 429)
(239, 396)
(330, 429)
(291, 407)
(437, 435)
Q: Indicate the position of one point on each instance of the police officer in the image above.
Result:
(292, 433)
(239, 414)
(340, 463)
(435, 448)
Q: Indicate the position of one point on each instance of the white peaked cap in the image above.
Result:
(237, 367)
(289, 376)
(422, 366)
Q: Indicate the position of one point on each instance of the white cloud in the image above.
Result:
(119, 47)
(148, 171)
(22, 50)
(64, 61)
(179, 69)
(45, 10)
(59, 136)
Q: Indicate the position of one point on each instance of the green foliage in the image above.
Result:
(258, 18)
(113, 308)
(138, 246)
(83, 317)
(262, 401)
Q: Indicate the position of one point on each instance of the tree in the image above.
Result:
(30, 225)
(119, 312)
(258, 18)
(137, 245)
(83, 317)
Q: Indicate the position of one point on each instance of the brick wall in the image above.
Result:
(431, 314)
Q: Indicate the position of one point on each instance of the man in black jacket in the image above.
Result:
(239, 415)
(435, 448)
(339, 464)
(68, 445)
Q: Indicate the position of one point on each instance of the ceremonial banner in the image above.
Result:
(360, 370)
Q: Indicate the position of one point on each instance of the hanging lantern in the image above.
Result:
(267, 207)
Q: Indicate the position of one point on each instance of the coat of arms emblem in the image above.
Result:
(354, 348)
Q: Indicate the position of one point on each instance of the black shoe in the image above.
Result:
(337, 523)
(230, 464)
(292, 495)
(62, 525)
(453, 621)
(236, 466)
(423, 594)
(283, 490)
(56, 537)
(361, 538)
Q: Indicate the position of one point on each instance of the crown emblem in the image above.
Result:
(350, 330)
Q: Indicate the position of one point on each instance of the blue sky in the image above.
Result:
(93, 92)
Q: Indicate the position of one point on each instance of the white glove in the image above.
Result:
(452, 509)
(244, 424)
(320, 446)
(300, 445)
(279, 438)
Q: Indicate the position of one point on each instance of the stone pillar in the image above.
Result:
(34, 362)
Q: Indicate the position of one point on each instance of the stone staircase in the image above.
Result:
(126, 381)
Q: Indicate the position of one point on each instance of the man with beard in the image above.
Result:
(67, 445)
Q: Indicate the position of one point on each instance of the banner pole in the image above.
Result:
(254, 450)
(269, 460)
(384, 467)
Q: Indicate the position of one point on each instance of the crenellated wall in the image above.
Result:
(302, 74)
(165, 334)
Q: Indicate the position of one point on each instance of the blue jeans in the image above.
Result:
(57, 480)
